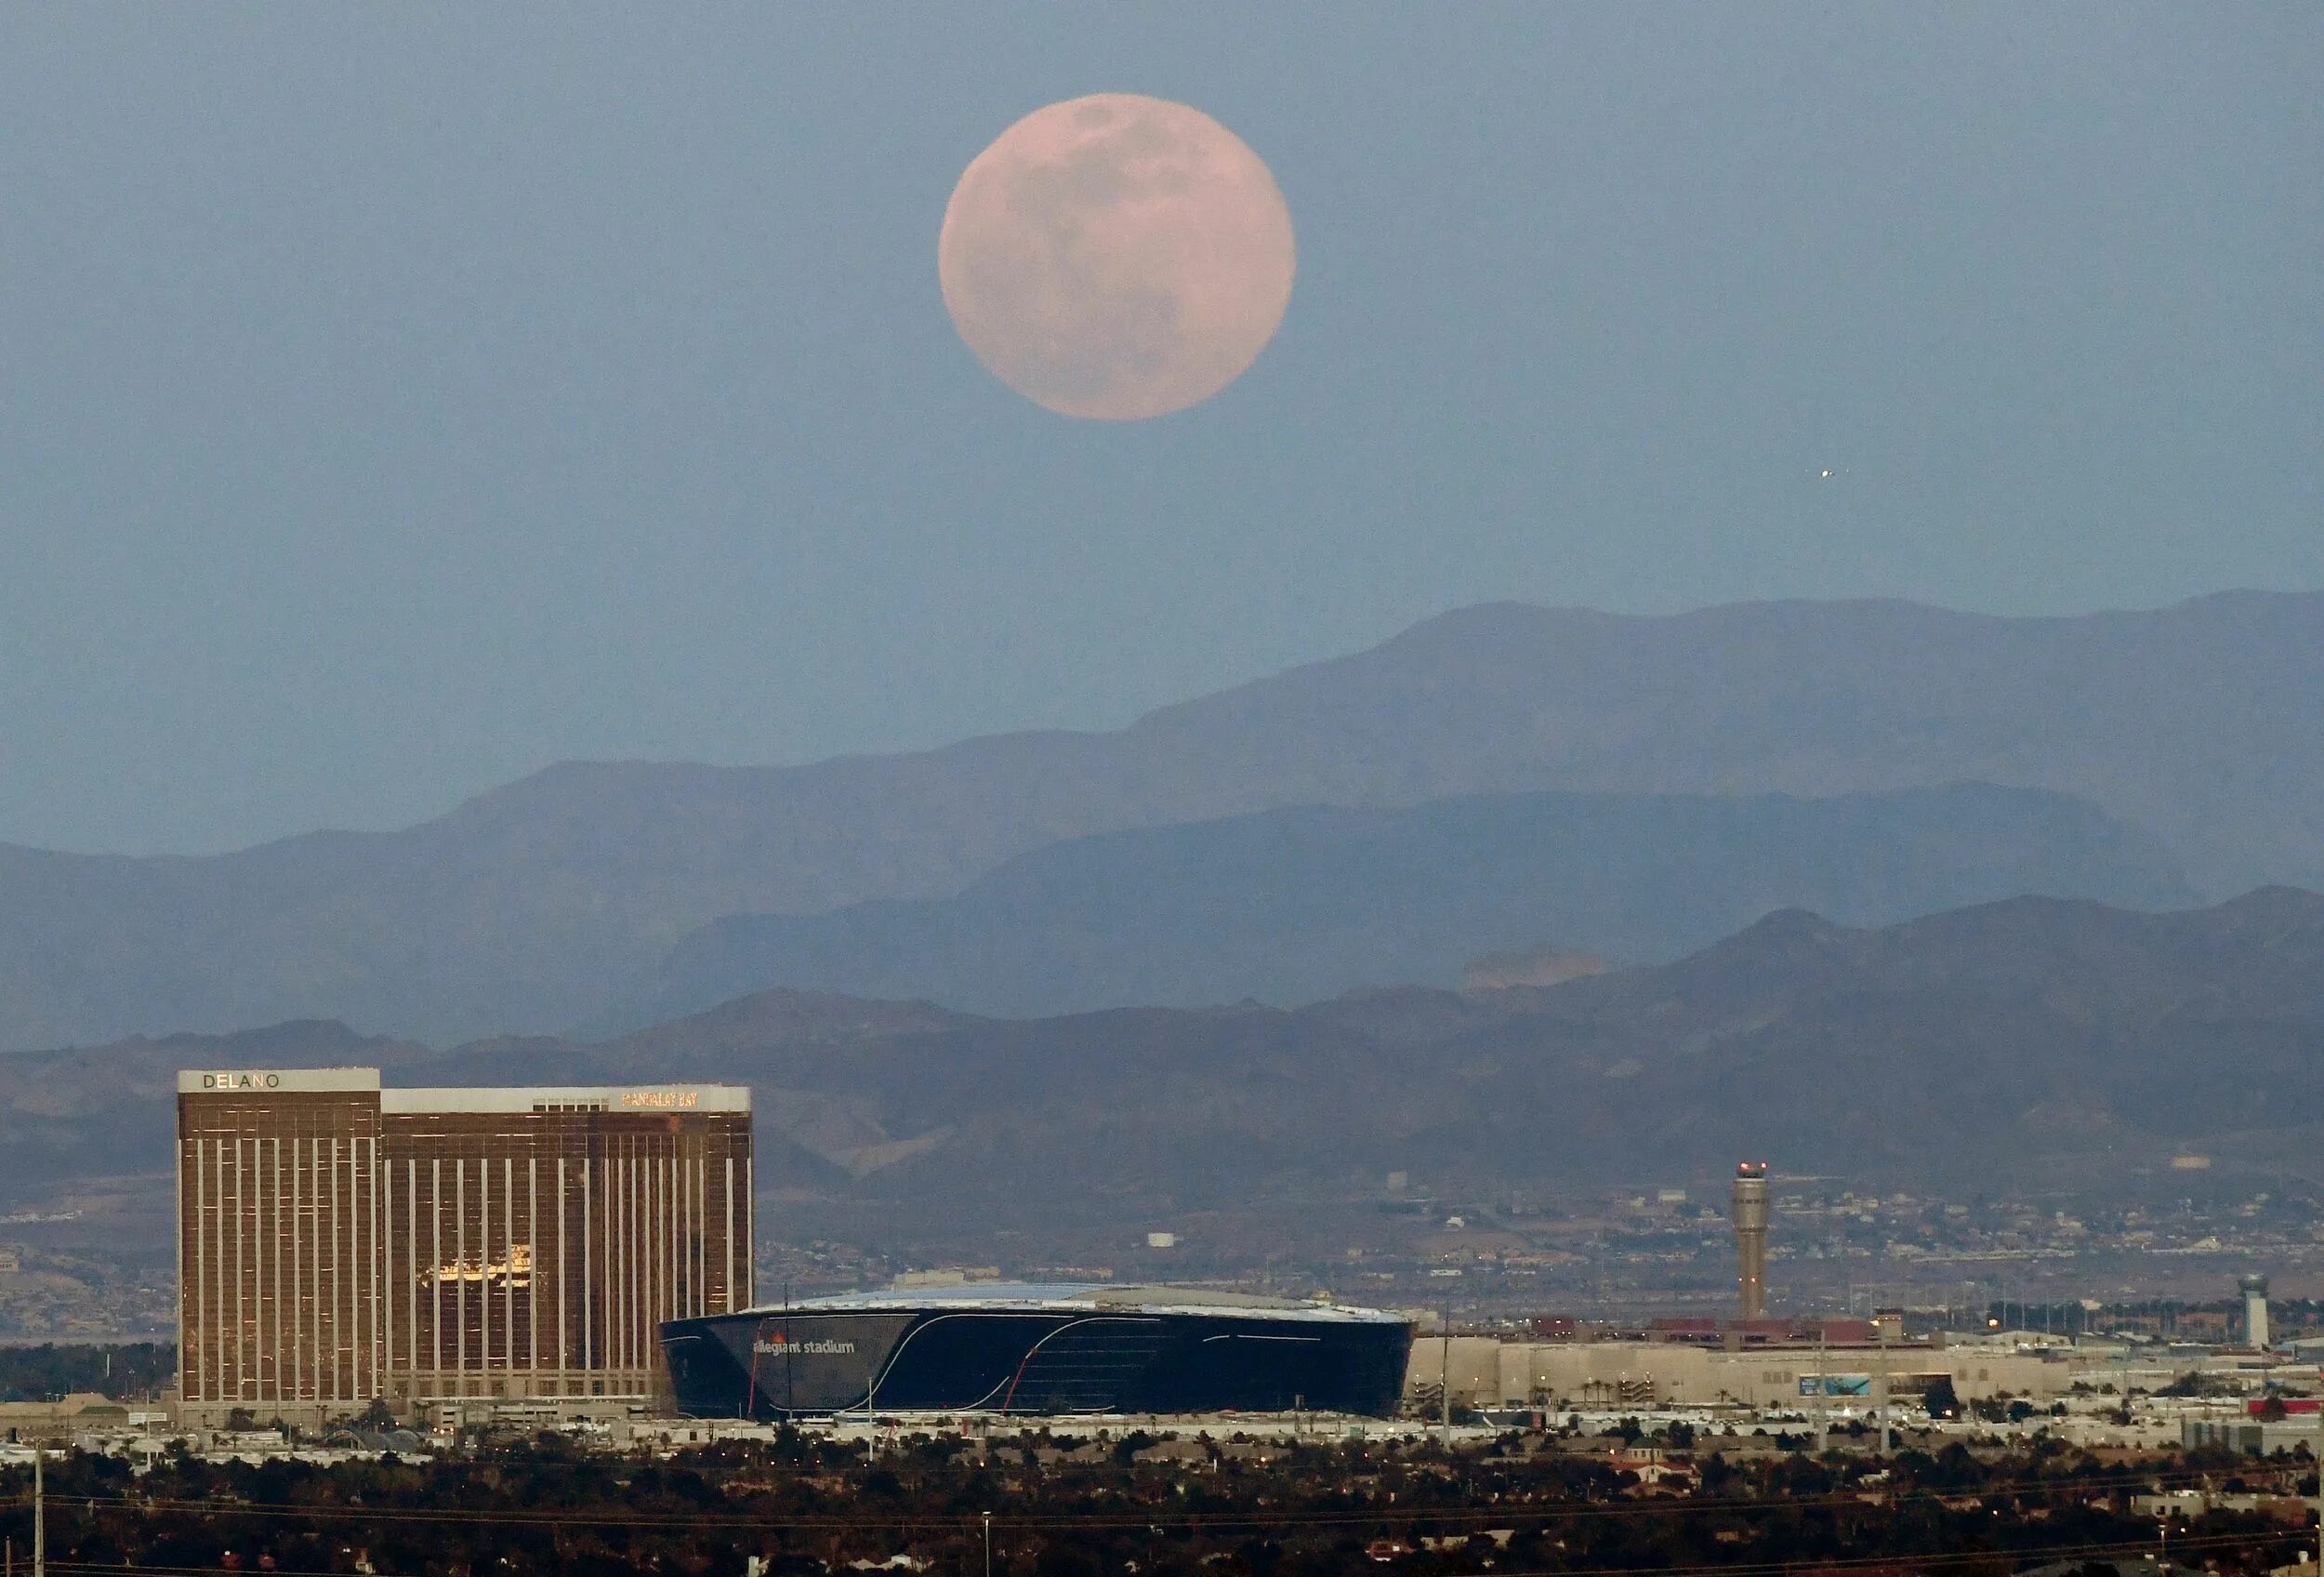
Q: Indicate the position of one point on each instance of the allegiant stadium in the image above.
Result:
(1044, 1351)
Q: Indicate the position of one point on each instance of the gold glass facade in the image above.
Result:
(342, 1243)
(278, 1239)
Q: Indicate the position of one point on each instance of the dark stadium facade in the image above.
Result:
(1037, 1350)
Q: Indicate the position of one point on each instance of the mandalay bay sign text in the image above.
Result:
(661, 1100)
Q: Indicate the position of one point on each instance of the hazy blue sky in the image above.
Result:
(395, 399)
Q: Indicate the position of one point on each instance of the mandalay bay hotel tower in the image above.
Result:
(341, 1244)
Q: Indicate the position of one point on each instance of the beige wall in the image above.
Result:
(1486, 1371)
(60, 1420)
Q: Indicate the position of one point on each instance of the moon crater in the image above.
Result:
(1116, 257)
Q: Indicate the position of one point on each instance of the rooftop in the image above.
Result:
(1074, 1297)
(365, 1080)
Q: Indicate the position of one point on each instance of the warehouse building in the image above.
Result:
(1489, 1372)
(340, 1243)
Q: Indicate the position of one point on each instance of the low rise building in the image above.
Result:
(58, 1423)
(1489, 1372)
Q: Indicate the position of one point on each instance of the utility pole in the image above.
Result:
(988, 1544)
(40, 1517)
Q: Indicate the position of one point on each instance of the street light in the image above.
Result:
(988, 1544)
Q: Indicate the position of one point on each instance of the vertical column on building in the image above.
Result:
(536, 1273)
(299, 1238)
(435, 1272)
(240, 1366)
(640, 1277)
(411, 1258)
(618, 1254)
(657, 1269)
(627, 1247)
(320, 1303)
(588, 1298)
(609, 1257)
(459, 1259)
(377, 1259)
(346, 1206)
(649, 1307)
(392, 1238)
(195, 1341)
(483, 1313)
(336, 1383)
(564, 1328)
(642, 1240)
(623, 1250)
(657, 1280)
(508, 1261)
(274, 1256)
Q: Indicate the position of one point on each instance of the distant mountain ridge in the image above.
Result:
(1294, 906)
(2032, 1041)
(2201, 723)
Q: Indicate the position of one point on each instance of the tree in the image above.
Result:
(1942, 1400)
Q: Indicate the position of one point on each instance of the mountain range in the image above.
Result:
(1294, 905)
(2027, 1042)
(534, 907)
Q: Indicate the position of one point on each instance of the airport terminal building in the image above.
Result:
(340, 1243)
(1040, 1350)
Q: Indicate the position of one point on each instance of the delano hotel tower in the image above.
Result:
(339, 1243)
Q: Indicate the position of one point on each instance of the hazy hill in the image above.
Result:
(70, 1116)
(2034, 1037)
(1294, 905)
(2202, 723)
(2027, 1041)
(2032, 1041)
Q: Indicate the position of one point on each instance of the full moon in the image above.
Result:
(1116, 257)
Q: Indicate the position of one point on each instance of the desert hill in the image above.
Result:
(2201, 724)
(2029, 1042)
(1290, 906)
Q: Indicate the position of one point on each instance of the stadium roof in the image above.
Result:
(1078, 1297)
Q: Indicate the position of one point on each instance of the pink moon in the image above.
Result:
(1116, 257)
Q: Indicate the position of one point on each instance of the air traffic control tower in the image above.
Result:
(2254, 1290)
(1750, 1236)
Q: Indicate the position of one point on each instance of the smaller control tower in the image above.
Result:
(2254, 1289)
(1750, 1236)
